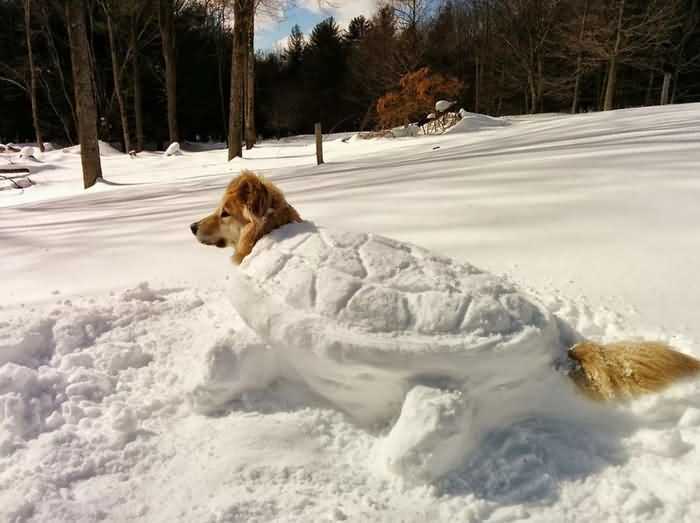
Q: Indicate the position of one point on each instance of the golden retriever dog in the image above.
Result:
(252, 207)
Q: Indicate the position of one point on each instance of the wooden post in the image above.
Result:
(665, 90)
(319, 143)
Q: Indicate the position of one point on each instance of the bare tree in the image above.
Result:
(689, 15)
(166, 22)
(579, 58)
(242, 105)
(136, 75)
(46, 12)
(32, 74)
(612, 62)
(243, 11)
(630, 33)
(526, 27)
(84, 93)
(109, 8)
(250, 132)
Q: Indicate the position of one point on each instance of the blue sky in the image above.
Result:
(307, 15)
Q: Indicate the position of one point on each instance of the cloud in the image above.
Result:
(272, 28)
(342, 10)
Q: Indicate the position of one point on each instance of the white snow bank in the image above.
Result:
(597, 212)
(471, 122)
(27, 153)
(173, 150)
(105, 149)
(403, 131)
(442, 106)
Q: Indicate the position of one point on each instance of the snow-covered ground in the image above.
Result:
(113, 320)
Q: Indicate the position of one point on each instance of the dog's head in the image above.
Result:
(246, 200)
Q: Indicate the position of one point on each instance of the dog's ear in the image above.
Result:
(254, 197)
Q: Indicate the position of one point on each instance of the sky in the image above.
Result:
(270, 33)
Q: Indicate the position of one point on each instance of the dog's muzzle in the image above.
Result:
(194, 228)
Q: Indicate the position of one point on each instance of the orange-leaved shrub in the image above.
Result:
(415, 97)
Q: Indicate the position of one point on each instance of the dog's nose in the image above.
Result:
(194, 228)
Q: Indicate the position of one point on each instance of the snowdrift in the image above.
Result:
(157, 403)
(105, 149)
(471, 122)
(173, 150)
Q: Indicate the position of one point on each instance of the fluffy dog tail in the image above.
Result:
(628, 369)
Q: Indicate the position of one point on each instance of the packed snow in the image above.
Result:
(442, 106)
(173, 149)
(136, 385)
(360, 319)
(470, 122)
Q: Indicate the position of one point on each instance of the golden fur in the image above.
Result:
(627, 369)
(252, 207)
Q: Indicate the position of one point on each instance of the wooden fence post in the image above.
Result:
(319, 143)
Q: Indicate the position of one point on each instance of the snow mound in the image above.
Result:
(28, 153)
(442, 106)
(361, 319)
(410, 130)
(471, 122)
(105, 149)
(173, 150)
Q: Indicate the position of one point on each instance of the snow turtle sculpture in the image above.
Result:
(382, 329)
(387, 331)
(362, 318)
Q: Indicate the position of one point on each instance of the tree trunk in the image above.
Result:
(665, 90)
(138, 96)
(221, 67)
(58, 67)
(117, 84)
(532, 106)
(650, 87)
(32, 74)
(242, 10)
(501, 85)
(84, 93)
(612, 65)
(250, 131)
(674, 91)
(579, 59)
(166, 22)
(609, 100)
(540, 85)
(477, 84)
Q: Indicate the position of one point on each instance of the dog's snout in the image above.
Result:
(194, 227)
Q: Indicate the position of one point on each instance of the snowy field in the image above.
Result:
(113, 321)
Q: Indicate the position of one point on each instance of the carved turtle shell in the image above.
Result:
(360, 316)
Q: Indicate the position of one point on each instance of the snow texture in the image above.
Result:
(173, 150)
(361, 319)
(105, 149)
(442, 106)
(471, 122)
(131, 389)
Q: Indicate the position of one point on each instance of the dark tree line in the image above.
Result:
(510, 57)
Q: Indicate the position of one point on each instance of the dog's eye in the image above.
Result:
(225, 214)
